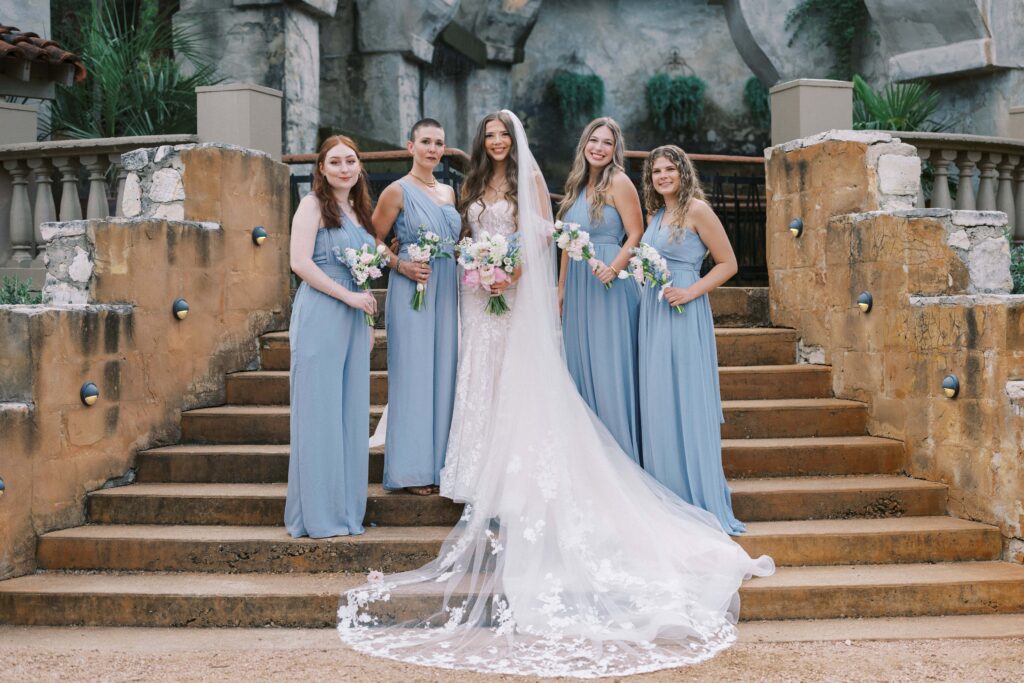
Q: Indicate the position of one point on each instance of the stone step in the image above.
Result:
(311, 600)
(774, 418)
(271, 387)
(753, 500)
(736, 346)
(141, 547)
(245, 463)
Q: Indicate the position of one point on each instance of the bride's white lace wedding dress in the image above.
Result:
(481, 348)
(569, 559)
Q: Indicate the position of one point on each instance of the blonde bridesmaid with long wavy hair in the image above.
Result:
(600, 322)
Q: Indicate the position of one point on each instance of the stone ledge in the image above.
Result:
(968, 300)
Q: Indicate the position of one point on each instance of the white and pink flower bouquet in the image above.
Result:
(427, 248)
(576, 244)
(488, 260)
(647, 266)
(365, 263)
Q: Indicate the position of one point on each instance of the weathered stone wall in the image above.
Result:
(120, 278)
(939, 280)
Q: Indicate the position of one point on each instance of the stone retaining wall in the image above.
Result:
(940, 284)
(107, 319)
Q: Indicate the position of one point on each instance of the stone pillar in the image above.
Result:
(17, 123)
(807, 106)
(242, 114)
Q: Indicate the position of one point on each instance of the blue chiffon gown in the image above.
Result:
(600, 331)
(330, 400)
(680, 400)
(422, 349)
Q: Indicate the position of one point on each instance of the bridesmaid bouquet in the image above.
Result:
(576, 243)
(645, 266)
(427, 248)
(365, 263)
(487, 260)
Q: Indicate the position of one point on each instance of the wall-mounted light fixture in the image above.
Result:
(259, 234)
(180, 309)
(796, 226)
(950, 386)
(3, 487)
(865, 301)
(89, 393)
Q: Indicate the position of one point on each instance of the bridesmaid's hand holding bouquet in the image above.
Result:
(488, 260)
(576, 244)
(647, 266)
(427, 247)
(365, 263)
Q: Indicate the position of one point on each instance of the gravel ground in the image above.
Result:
(315, 657)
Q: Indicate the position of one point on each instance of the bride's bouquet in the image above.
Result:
(427, 247)
(576, 244)
(647, 266)
(488, 260)
(365, 263)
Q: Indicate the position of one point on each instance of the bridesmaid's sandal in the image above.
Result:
(419, 490)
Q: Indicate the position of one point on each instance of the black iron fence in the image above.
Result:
(735, 188)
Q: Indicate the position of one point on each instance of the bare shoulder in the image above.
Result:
(308, 204)
(448, 190)
(621, 181)
(699, 208)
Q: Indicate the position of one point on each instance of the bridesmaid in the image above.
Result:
(680, 402)
(330, 346)
(422, 345)
(600, 324)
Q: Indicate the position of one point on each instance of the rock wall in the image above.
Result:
(940, 284)
(118, 279)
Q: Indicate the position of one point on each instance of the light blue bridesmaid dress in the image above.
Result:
(600, 331)
(330, 400)
(680, 401)
(422, 349)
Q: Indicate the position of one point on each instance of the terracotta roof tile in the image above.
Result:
(15, 44)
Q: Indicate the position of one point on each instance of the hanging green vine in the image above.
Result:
(578, 96)
(675, 104)
(755, 96)
(839, 24)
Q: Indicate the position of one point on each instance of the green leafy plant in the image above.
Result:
(14, 291)
(675, 104)
(1017, 265)
(899, 106)
(578, 96)
(135, 85)
(839, 24)
(755, 96)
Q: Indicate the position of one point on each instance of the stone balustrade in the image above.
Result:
(988, 173)
(42, 182)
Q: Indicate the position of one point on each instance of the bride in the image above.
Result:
(569, 559)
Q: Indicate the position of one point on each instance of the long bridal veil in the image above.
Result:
(570, 560)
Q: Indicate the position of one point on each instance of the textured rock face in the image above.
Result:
(107, 319)
(940, 283)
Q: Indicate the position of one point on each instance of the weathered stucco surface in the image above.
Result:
(148, 365)
(940, 285)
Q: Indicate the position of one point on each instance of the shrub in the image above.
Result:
(14, 291)
(675, 104)
(578, 96)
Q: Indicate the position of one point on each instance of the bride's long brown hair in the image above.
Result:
(481, 170)
(358, 196)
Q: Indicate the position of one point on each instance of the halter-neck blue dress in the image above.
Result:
(423, 349)
(680, 401)
(600, 330)
(330, 399)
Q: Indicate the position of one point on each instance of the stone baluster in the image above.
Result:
(21, 213)
(966, 162)
(122, 175)
(1018, 200)
(70, 206)
(987, 182)
(45, 208)
(96, 206)
(1004, 196)
(925, 154)
(940, 188)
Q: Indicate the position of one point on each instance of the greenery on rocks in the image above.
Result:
(142, 71)
(578, 96)
(837, 24)
(14, 291)
(755, 96)
(1017, 266)
(908, 106)
(676, 104)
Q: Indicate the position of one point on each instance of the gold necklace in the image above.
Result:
(432, 184)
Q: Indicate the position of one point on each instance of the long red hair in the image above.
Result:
(358, 196)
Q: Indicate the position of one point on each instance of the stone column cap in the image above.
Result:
(231, 87)
(22, 107)
(811, 82)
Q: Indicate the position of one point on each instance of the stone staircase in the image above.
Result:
(198, 541)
